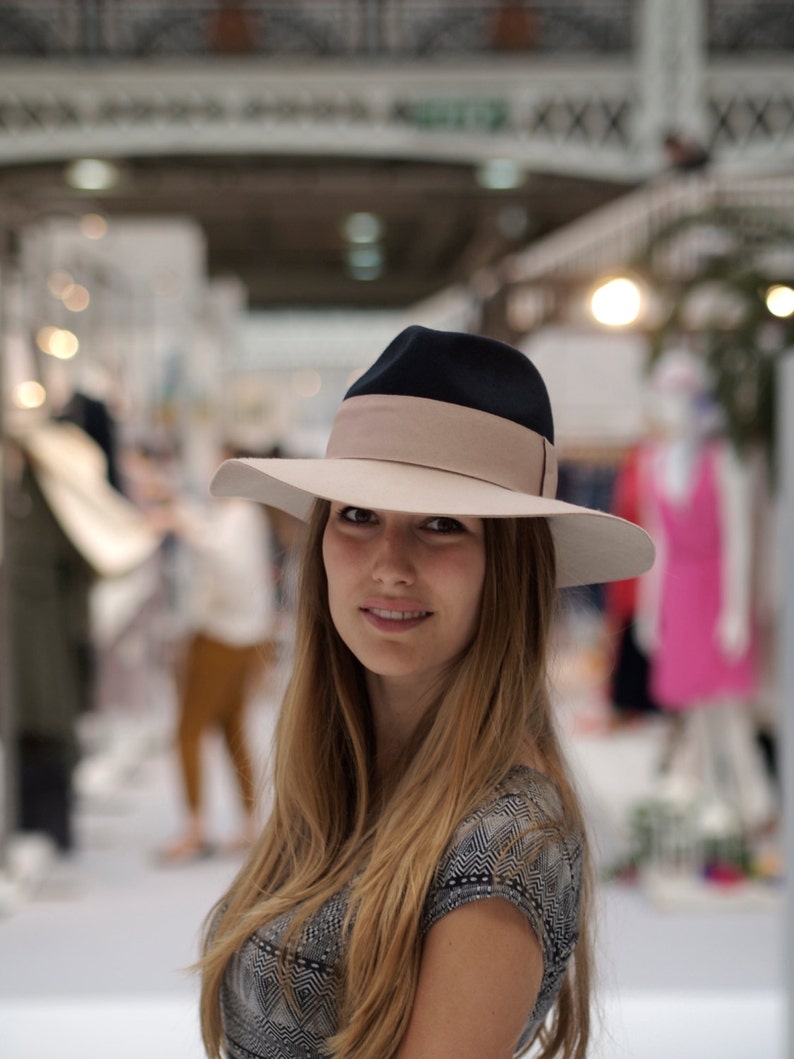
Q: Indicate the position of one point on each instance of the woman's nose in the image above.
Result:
(393, 557)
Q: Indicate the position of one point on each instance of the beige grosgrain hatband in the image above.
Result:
(450, 437)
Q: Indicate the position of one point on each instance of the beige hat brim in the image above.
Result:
(592, 546)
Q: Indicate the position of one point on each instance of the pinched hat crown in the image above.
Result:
(468, 370)
(460, 403)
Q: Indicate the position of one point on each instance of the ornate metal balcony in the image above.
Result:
(117, 29)
(746, 26)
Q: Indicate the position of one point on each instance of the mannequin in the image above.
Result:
(697, 620)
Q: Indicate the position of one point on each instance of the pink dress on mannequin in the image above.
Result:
(689, 668)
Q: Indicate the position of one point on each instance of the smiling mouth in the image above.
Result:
(398, 615)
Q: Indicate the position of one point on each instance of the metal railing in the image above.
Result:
(615, 234)
(119, 29)
(747, 26)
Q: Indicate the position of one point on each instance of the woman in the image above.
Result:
(420, 888)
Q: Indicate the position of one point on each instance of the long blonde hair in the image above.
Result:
(329, 826)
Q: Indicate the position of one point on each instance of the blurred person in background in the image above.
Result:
(52, 658)
(230, 646)
(685, 154)
(67, 527)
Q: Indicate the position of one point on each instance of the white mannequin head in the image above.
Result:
(678, 395)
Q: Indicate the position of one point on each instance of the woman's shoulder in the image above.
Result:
(520, 820)
(516, 844)
(524, 799)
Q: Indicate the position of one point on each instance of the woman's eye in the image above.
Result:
(444, 524)
(358, 516)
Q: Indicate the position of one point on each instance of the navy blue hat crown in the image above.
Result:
(469, 370)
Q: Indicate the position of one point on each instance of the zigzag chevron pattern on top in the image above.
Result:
(512, 846)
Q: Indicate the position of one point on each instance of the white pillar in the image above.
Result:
(672, 60)
(785, 455)
(7, 717)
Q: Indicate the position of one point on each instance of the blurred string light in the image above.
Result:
(59, 282)
(364, 254)
(76, 298)
(500, 174)
(64, 344)
(362, 228)
(617, 302)
(365, 262)
(92, 174)
(93, 226)
(43, 336)
(780, 300)
(57, 342)
(29, 394)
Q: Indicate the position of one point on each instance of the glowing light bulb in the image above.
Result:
(29, 394)
(44, 337)
(59, 282)
(93, 226)
(92, 174)
(780, 300)
(63, 344)
(500, 174)
(616, 303)
(76, 298)
(362, 227)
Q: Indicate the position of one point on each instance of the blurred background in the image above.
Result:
(213, 215)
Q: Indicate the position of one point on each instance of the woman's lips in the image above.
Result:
(393, 616)
(397, 615)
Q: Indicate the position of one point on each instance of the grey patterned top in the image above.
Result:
(510, 847)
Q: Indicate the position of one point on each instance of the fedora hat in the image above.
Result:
(448, 424)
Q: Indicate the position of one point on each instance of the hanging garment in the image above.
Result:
(689, 667)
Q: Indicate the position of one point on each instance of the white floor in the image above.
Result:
(94, 964)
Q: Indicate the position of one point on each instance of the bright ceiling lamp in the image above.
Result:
(780, 300)
(365, 262)
(617, 302)
(500, 174)
(362, 227)
(92, 174)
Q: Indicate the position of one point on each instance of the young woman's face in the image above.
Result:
(404, 590)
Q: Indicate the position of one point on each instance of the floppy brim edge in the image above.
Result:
(592, 546)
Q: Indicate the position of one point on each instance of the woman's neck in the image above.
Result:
(397, 709)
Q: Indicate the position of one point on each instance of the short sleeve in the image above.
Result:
(514, 847)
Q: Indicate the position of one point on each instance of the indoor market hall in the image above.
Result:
(214, 219)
